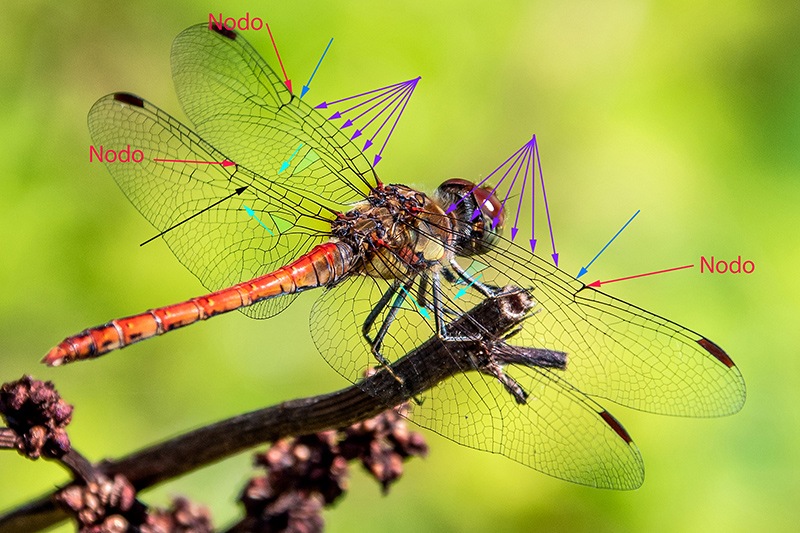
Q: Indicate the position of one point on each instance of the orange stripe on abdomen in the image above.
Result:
(324, 264)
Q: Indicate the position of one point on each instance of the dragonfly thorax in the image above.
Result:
(396, 231)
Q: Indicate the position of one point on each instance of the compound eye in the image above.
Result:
(460, 185)
(490, 206)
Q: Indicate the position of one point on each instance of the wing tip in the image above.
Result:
(222, 30)
(717, 352)
(128, 98)
(609, 419)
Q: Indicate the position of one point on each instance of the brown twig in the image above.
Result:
(411, 375)
(8, 439)
(80, 467)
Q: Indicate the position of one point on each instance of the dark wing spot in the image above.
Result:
(616, 426)
(128, 98)
(225, 32)
(717, 352)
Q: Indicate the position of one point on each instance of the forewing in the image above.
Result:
(207, 224)
(615, 350)
(238, 104)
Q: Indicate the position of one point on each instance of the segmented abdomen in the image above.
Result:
(323, 265)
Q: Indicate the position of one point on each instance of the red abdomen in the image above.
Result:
(323, 265)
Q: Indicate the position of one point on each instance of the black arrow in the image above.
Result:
(237, 192)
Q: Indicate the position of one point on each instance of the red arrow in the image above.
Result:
(286, 79)
(599, 283)
(224, 163)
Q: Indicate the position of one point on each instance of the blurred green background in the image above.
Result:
(689, 111)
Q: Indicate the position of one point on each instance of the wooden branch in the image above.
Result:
(416, 372)
(8, 438)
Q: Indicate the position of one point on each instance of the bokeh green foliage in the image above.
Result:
(689, 111)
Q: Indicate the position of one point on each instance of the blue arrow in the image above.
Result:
(305, 88)
(253, 214)
(585, 269)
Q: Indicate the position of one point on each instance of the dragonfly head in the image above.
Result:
(478, 213)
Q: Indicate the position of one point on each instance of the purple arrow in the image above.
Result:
(520, 154)
(326, 104)
(528, 159)
(389, 101)
(396, 92)
(394, 102)
(533, 207)
(391, 131)
(525, 159)
(393, 89)
(452, 206)
(546, 207)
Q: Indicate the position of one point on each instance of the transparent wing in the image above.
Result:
(238, 104)
(559, 431)
(615, 350)
(338, 317)
(299, 169)
(220, 236)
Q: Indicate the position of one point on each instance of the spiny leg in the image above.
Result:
(401, 290)
(438, 313)
(377, 310)
(450, 276)
(422, 291)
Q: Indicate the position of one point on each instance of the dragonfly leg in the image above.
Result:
(450, 276)
(437, 305)
(399, 291)
(512, 387)
(422, 291)
(439, 312)
(422, 294)
(489, 291)
(377, 310)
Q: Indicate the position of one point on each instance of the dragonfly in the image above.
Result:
(392, 267)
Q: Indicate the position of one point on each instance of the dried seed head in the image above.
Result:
(294, 511)
(103, 505)
(183, 516)
(38, 415)
(382, 444)
(306, 473)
